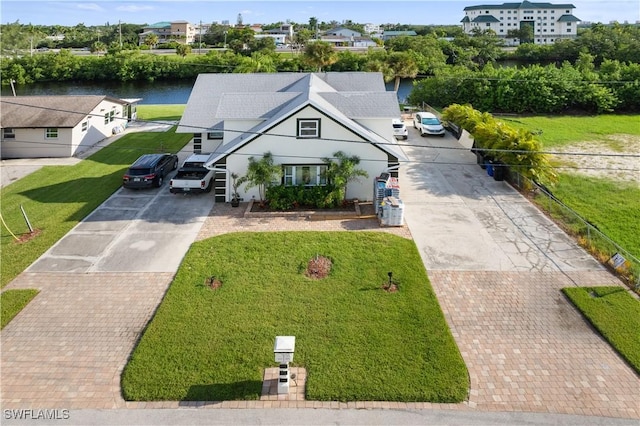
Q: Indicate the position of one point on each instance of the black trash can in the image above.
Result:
(499, 170)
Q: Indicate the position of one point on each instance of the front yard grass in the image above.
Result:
(356, 340)
(11, 303)
(615, 314)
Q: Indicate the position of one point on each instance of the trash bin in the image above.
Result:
(489, 165)
(499, 171)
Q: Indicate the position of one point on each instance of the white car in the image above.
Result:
(428, 124)
(400, 130)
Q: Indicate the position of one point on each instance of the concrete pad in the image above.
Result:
(124, 200)
(146, 252)
(61, 264)
(105, 219)
(77, 244)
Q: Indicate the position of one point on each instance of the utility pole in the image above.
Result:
(200, 43)
(120, 31)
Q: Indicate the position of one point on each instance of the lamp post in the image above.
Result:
(225, 40)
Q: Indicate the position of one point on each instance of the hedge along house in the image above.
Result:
(300, 118)
(59, 126)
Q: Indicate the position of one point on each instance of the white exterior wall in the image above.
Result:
(291, 150)
(31, 143)
(383, 127)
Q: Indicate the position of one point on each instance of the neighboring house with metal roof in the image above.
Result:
(59, 126)
(547, 22)
(300, 118)
(388, 35)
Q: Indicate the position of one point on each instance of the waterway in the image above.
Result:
(161, 92)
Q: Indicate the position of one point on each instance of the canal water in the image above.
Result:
(161, 92)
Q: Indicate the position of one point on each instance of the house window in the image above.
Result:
(308, 128)
(307, 175)
(51, 133)
(106, 118)
(112, 115)
(8, 133)
(85, 126)
(217, 134)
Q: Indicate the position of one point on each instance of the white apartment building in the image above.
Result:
(549, 22)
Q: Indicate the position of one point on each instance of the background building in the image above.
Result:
(541, 23)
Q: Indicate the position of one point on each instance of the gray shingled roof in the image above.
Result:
(272, 98)
(47, 111)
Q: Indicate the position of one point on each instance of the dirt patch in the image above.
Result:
(319, 267)
(28, 236)
(213, 283)
(618, 159)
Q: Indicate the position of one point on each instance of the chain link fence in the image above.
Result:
(607, 251)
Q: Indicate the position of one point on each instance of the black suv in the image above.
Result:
(149, 170)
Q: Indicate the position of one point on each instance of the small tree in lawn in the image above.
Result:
(262, 173)
(343, 171)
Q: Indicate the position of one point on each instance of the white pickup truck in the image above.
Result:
(192, 176)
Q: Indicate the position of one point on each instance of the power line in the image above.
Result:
(255, 133)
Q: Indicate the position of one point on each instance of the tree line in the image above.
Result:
(598, 71)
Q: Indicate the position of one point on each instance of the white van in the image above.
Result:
(428, 124)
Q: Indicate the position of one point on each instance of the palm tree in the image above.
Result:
(344, 171)
(401, 65)
(151, 40)
(258, 62)
(320, 54)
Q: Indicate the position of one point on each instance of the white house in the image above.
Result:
(59, 126)
(549, 22)
(300, 118)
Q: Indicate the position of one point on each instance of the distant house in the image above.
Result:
(547, 22)
(178, 31)
(347, 37)
(388, 35)
(59, 126)
(300, 118)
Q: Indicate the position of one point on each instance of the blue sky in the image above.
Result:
(89, 13)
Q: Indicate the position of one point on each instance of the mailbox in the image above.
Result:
(284, 348)
(283, 351)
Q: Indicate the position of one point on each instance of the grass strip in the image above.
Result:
(558, 131)
(356, 340)
(12, 302)
(615, 314)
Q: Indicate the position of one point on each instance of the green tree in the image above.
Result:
(402, 65)
(183, 50)
(340, 173)
(262, 173)
(258, 62)
(151, 40)
(320, 54)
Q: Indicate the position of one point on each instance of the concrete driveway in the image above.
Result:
(133, 231)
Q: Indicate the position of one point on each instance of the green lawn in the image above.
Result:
(356, 340)
(615, 314)
(558, 131)
(611, 206)
(12, 302)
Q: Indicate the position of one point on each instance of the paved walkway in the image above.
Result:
(527, 349)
